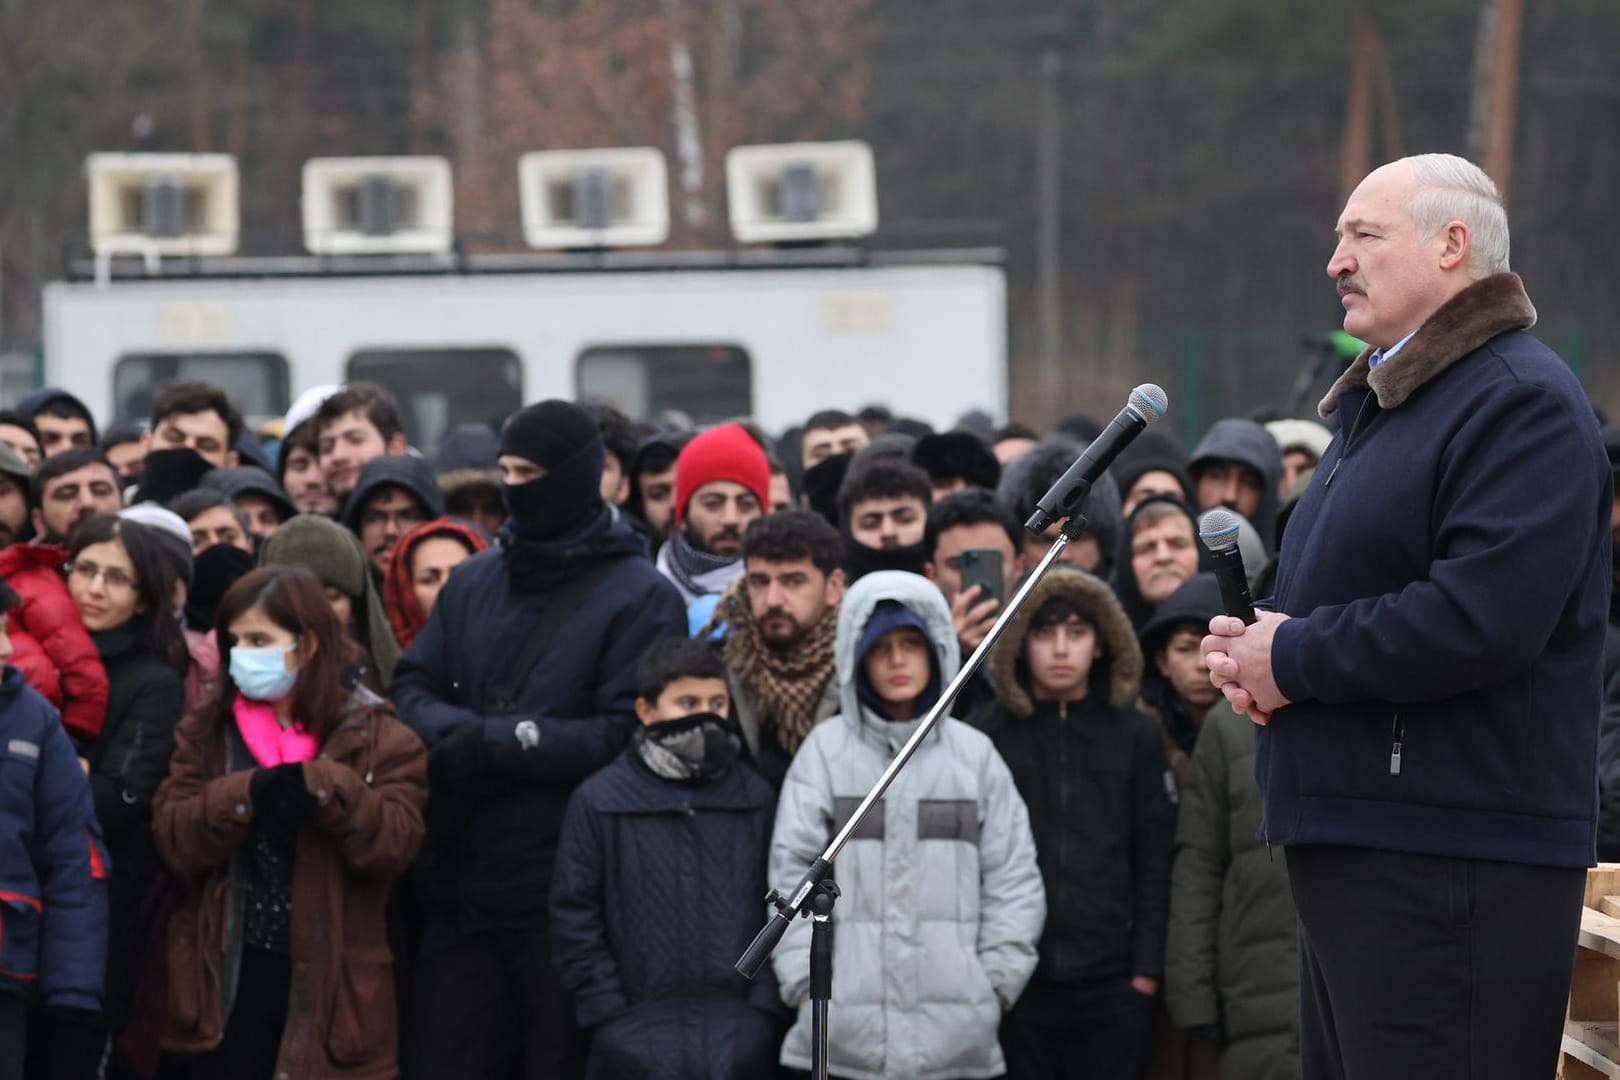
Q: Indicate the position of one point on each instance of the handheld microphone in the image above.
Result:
(1218, 529)
(1147, 404)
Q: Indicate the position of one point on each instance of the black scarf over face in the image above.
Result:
(697, 748)
(860, 560)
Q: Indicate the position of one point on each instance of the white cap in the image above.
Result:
(1305, 435)
(308, 404)
(155, 516)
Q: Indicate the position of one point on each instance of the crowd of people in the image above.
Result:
(323, 758)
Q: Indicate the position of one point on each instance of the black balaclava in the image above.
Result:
(821, 483)
(216, 569)
(561, 438)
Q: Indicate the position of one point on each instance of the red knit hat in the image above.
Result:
(726, 452)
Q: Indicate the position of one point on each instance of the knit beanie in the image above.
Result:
(170, 530)
(726, 452)
(335, 556)
(12, 465)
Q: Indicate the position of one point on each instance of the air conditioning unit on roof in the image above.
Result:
(378, 206)
(173, 204)
(594, 198)
(801, 191)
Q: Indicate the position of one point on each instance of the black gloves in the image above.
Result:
(460, 756)
(278, 793)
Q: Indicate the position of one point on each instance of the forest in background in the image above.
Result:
(1196, 150)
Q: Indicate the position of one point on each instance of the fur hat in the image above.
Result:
(953, 454)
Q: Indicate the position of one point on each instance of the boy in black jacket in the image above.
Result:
(1093, 773)
(656, 891)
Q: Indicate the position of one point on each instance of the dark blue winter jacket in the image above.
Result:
(500, 772)
(1448, 572)
(656, 894)
(53, 867)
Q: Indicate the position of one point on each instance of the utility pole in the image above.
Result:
(1048, 240)
(1496, 89)
(688, 135)
(1356, 152)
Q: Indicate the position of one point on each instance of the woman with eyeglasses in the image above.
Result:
(294, 801)
(122, 582)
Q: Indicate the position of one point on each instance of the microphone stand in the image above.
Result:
(816, 891)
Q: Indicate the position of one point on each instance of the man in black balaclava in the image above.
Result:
(522, 684)
(883, 508)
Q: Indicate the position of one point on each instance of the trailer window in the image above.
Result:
(707, 382)
(256, 381)
(440, 388)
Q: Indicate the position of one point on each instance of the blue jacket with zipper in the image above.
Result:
(53, 867)
(1448, 575)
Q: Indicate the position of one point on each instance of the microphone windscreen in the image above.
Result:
(1150, 402)
(1218, 529)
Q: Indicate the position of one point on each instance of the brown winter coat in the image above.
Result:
(370, 781)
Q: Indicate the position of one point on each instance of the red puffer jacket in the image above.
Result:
(49, 642)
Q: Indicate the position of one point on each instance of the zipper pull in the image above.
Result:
(1395, 759)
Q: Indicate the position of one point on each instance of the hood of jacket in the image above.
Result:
(1245, 441)
(405, 471)
(1028, 477)
(923, 598)
(1126, 587)
(1196, 602)
(1095, 600)
(405, 614)
(249, 480)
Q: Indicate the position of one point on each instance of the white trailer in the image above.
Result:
(775, 334)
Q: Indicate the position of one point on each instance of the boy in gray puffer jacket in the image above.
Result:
(942, 901)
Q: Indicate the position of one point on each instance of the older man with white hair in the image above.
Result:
(1428, 677)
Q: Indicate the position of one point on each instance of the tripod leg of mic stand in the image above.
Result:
(821, 905)
(818, 1035)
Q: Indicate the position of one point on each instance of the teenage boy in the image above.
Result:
(1093, 773)
(1176, 690)
(941, 906)
(199, 416)
(53, 922)
(353, 426)
(660, 867)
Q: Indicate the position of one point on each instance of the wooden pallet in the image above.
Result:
(1592, 1024)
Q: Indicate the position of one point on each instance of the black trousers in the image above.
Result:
(258, 1017)
(34, 1045)
(488, 1006)
(1432, 967)
(1100, 1030)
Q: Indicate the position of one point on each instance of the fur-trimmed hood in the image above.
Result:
(1490, 306)
(1096, 601)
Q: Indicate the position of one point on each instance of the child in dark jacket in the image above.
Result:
(656, 892)
(53, 891)
(1093, 773)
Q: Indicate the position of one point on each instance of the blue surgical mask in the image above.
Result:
(261, 674)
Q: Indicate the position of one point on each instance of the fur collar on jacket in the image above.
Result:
(1488, 307)
(1096, 600)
